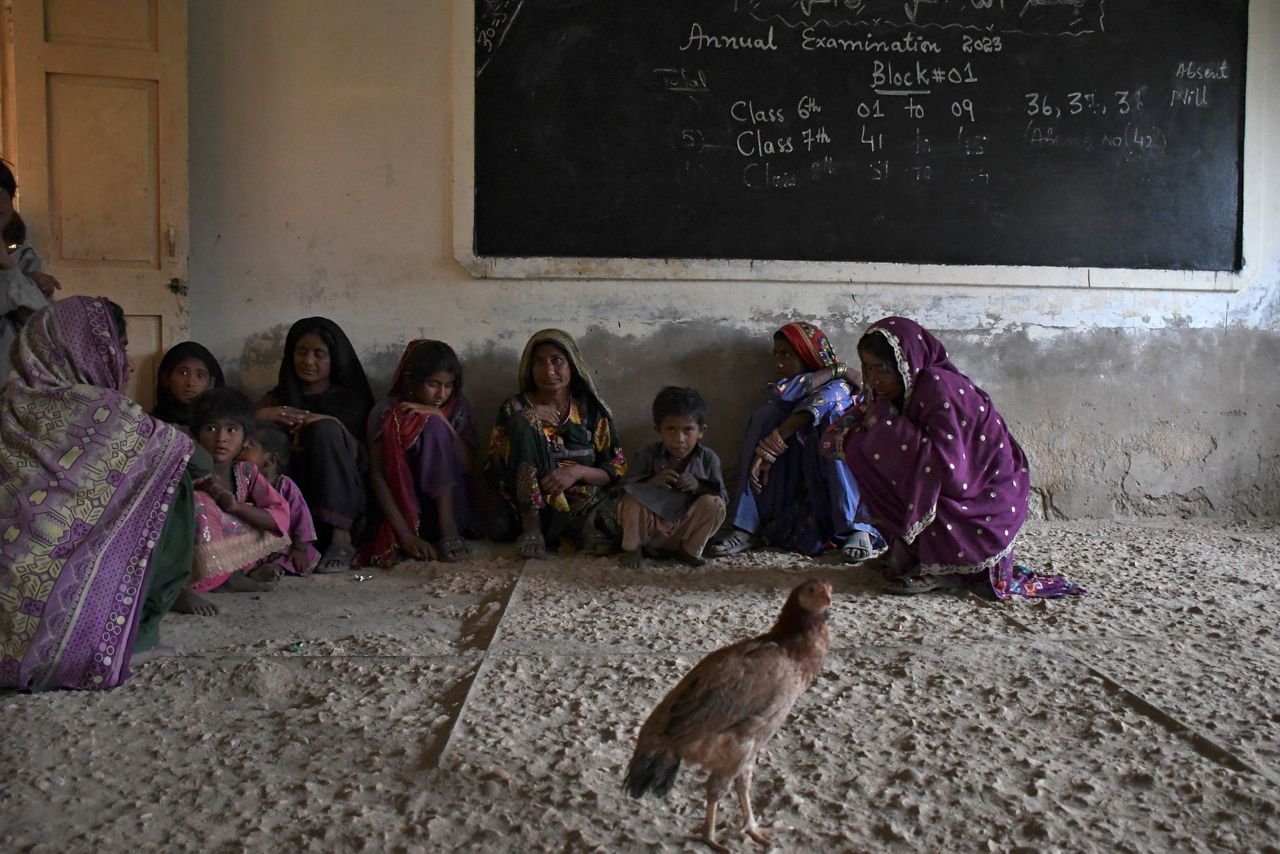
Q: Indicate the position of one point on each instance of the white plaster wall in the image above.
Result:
(321, 184)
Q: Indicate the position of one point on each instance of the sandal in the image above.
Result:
(452, 549)
(733, 543)
(912, 584)
(335, 559)
(857, 547)
(531, 546)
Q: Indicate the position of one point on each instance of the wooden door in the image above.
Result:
(95, 123)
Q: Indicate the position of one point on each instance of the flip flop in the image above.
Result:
(531, 546)
(452, 549)
(857, 549)
(335, 559)
(913, 584)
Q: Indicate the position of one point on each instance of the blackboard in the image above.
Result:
(1064, 133)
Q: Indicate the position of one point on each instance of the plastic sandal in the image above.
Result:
(912, 585)
(532, 546)
(452, 549)
(335, 559)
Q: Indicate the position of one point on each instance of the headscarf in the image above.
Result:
(167, 407)
(810, 344)
(345, 373)
(400, 379)
(87, 482)
(915, 350)
(582, 381)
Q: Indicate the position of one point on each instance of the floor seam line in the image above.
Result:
(1195, 739)
(482, 668)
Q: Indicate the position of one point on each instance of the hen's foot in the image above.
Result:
(710, 843)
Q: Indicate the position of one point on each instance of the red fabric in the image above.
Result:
(810, 344)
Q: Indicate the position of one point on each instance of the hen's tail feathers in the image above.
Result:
(654, 772)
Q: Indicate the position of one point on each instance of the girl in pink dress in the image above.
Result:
(241, 520)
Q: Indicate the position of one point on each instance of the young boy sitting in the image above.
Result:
(674, 498)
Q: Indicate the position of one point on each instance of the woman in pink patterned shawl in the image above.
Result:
(96, 520)
(941, 475)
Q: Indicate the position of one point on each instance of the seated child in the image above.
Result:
(187, 371)
(240, 519)
(421, 441)
(267, 447)
(674, 496)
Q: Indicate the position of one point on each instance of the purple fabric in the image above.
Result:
(432, 456)
(945, 478)
(86, 479)
(437, 467)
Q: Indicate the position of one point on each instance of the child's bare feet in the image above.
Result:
(241, 582)
(191, 602)
(632, 559)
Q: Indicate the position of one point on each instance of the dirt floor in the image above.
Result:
(493, 705)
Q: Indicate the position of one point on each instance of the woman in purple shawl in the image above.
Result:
(942, 476)
(96, 512)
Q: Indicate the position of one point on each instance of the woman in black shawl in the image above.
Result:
(323, 399)
(187, 371)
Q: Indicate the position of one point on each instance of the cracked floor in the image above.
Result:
(492, 706)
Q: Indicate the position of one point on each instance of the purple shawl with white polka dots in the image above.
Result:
(945, 476)
(86, 478)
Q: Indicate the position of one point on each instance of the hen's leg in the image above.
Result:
(715, 788)
(743, 785)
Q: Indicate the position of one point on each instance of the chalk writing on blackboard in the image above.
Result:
(494, 19)
(1102, 133)
(1038, 17)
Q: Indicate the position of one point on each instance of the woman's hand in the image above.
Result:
(772, 444)
(288, 417)
(310, 418)
(760, 474)
(298, 557)
(559, 479)
(416, 547)
(429, 411)
(46, 283)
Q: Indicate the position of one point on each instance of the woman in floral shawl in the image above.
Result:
(554, 449)
(98, 527)
(941, 474)
(788, 494)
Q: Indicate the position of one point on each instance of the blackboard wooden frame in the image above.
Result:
(1264, 24)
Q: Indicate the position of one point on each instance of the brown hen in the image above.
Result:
(730, 704)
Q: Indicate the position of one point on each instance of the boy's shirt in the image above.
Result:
(669, 503)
